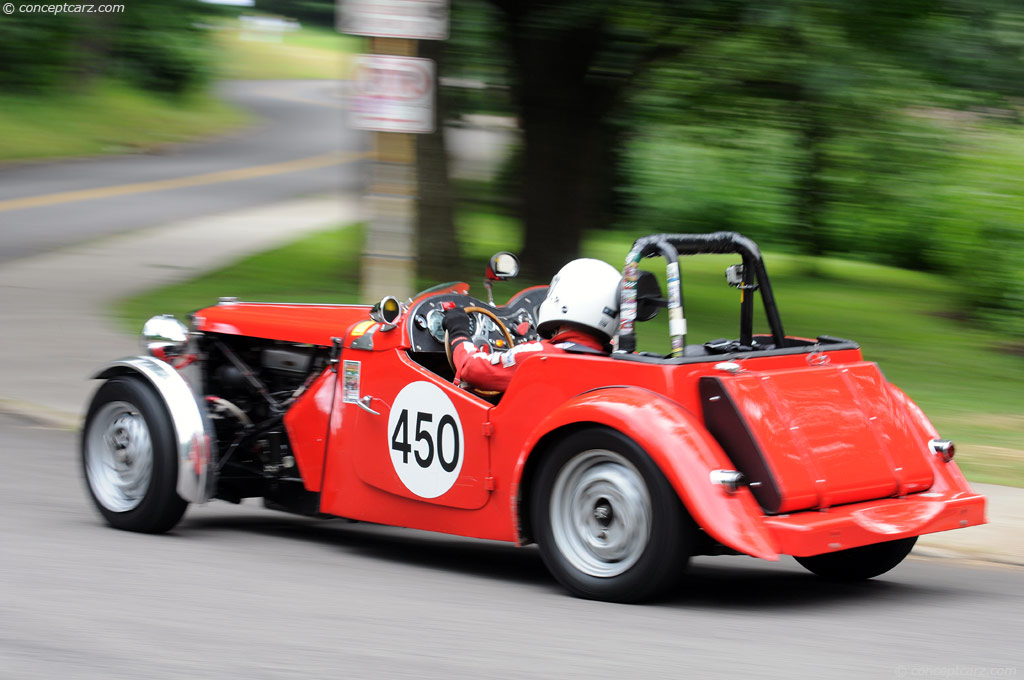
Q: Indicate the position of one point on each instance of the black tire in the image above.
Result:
(859, 564)
(124, 413)
(603, 467)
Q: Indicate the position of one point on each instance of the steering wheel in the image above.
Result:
(501, 326)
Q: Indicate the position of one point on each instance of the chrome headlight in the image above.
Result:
(164, 337)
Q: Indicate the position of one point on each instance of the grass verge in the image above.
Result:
(968, 388)
(108, 118)
(308, 53)
(323, 267)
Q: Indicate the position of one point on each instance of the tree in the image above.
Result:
(572, 66)
(437, 248)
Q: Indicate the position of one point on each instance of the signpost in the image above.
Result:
(393, 95)
(412, 19)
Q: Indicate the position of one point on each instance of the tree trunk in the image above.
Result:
(811, 198)
(437, 247)
(567, 183)
(569, 145)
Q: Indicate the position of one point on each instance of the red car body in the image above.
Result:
(861, 476)
(825, 455)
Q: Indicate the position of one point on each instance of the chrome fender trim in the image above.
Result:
(192, 429)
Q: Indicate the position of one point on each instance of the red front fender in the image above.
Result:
(678, 443)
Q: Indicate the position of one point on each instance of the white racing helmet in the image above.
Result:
(584, 293)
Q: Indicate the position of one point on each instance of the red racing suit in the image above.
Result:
(494, 370)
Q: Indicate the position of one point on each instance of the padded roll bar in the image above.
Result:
(670, 246)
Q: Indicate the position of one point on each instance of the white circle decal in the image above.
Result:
(425, 438)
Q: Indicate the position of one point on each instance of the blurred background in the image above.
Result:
(874, 149)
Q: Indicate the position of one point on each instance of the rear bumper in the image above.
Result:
(849, 526)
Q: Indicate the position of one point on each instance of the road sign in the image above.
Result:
(393, 94)
(417, 19)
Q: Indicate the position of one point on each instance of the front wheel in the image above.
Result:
(129, 457)
(608, 524)
(859, 564)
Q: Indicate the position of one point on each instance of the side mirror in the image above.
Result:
(386, 312)
(502, 266)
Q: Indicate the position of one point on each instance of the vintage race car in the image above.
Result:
(620, 467)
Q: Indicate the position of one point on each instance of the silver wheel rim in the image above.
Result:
(119, 456)
(600, 513)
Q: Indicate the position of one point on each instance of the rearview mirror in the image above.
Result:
(502, 266)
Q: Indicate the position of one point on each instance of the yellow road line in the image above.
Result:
(308, 163)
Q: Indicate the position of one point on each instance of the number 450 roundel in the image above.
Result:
(425, 438)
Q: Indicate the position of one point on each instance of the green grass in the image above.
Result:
(308, 53)
(323, 267)
(969, 389)
(108, 118)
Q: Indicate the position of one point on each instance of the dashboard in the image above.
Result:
(519, 315)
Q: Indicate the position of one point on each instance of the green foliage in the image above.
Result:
(316, 12)
(852, 128)
(36, 50)
(160, 47)
(152, 43)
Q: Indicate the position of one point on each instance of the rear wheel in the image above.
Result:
(608, 523)
(129, 457)
(859, 564)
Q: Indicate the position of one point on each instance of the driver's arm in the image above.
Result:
(483, 370)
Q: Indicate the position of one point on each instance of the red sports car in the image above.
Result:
(620, 467)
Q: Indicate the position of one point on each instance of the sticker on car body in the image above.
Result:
(426, 439)
(350, 381)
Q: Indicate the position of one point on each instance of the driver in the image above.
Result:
(579, 314)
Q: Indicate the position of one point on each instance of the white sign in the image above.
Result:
(425, 438)
(418, 19)
(393, 94)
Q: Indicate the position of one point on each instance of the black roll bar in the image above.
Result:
(670, 246)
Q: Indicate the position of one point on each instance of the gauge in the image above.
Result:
(483, 325)
(435, 324)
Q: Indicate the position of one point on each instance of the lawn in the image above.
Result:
(308, 53)
(956, 372)
(109, 117)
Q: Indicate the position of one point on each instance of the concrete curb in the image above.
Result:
(41, 415)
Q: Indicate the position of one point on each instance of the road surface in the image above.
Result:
(298, 145)
(241, 592)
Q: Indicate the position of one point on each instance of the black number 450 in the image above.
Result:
(400, 440)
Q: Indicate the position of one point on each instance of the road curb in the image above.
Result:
(41, 415)
(967, 556)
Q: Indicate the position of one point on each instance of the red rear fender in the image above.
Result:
(677, 441)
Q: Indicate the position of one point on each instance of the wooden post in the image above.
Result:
(389, 255)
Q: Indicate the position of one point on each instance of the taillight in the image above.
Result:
(943, 448)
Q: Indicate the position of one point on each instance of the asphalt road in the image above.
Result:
(241, 592)
(297, 146)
